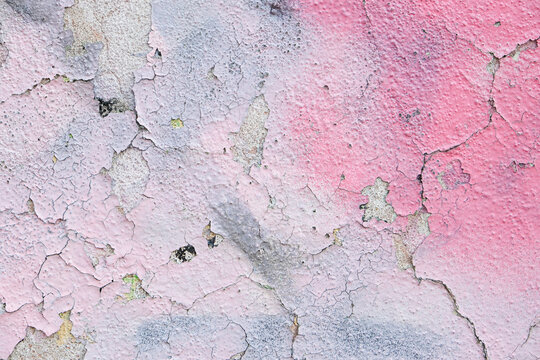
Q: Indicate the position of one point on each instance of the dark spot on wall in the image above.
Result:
(408, 117)
(275, 9)
(211, 237)
(212, 242)
(110, 106)
(279, 9)
(183, 254)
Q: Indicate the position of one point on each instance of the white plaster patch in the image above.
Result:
(129, 173)
(249, 140)
(122, 27)
(377, 207)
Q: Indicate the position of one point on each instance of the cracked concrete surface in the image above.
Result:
(122, 27)
(259, 179)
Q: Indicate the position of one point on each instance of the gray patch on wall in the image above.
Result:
(153, 334)
(350, 338)
(269, 258)
(36, 10)
(4, 51)
(268, 336)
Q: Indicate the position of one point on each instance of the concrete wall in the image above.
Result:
(257, 179)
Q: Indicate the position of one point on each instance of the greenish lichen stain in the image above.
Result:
(177, 123)
(135, 291)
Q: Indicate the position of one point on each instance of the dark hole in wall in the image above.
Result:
(184, 253)
(110, 106)
(275, 9)
(211, 237)
(212, 242)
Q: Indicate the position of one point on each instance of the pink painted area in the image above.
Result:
(515, 93)
(483, 244)
(492, 26)
(25, 255)
(416, 99)
(432, 92)
(13, 325)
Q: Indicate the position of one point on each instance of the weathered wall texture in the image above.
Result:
(269, 179)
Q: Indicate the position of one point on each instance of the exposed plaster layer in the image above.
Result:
(249, 140)
(60, 345)
(406, 242)
(129, 172)
(377, 207)
(122, 28)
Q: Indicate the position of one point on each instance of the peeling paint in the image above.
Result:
(183, 254)
(211, 237)
(377, 207)
(60, 345)
(177, 123)
(129, 172)
(136, 291)
(122, 28)
(249, 140)
(261, 179)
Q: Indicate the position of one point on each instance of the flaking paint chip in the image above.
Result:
(249, 140)
(177, 123)
(183, 254)
(377, 207)
(211, 237)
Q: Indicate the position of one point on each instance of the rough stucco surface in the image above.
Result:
(257, 179)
